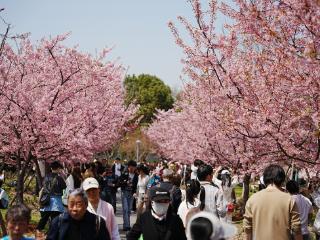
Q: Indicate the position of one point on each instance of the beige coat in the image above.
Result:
(271, 215)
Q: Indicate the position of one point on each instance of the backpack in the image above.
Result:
(46, 190)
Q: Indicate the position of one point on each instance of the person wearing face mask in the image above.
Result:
(158, 222)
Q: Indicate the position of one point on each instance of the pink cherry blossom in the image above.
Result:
(57, 103)
(254, 94)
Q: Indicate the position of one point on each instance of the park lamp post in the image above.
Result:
(138, 142)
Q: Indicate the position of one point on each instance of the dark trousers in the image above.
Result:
(45, 216)
(134, 205)
(306, 237)
(127, 200)
(113, 198)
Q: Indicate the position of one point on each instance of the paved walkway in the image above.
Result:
(119, 218)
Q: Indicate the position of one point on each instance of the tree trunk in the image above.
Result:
(3, 226)
(245, 190)
(20, 179)
(23, 164)
(39, 177)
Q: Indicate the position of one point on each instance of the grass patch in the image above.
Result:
(29, 197)
(238, 191)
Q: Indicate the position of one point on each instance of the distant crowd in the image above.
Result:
(172, 201)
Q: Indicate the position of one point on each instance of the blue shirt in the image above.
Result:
(55, 205)
(153, 181)
(23, 238)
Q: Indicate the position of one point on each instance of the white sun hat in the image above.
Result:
(219, 229)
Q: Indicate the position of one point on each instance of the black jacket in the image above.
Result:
(126, 184)
(169, 229)
(91, 227)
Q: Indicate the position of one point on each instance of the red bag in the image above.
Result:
(230, 207)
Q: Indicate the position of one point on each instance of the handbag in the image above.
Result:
(44, 197)
(45, 192)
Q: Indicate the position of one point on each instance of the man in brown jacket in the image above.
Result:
(271, 214)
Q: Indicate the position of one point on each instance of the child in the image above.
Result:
(18, 218)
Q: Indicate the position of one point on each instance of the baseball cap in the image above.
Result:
(90, 183)
(158, 193)
(219, 229)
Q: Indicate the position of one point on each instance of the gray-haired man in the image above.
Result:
(77, 222)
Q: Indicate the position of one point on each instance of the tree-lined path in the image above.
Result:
(249, 98)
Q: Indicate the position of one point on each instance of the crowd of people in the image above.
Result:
(172, 201)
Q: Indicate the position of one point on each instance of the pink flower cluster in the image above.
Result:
(254, 95)
(57, 103)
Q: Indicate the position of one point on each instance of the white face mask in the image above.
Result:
(160, 208)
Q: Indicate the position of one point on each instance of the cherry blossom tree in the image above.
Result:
(254, 95)
(57, 103)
